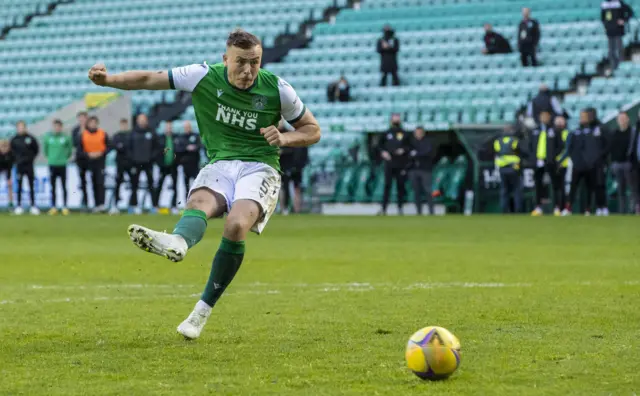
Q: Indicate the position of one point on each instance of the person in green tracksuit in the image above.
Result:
(58, 148)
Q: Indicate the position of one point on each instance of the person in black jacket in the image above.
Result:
(187, 147)
(620, 140)
(528, 38)
(81, 156)
(6, 164)
(143, 151)
(25, 149)
(166, 160)
(494, 43)
(615, 15)
(586, 146)
(292, 162)
(120, 143)
(634, 158)
(544, 101)
(545, 145)
(421, 155)
(393, 149)
(388, 47)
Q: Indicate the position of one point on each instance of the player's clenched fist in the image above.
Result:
(273, 136)
(98, 74)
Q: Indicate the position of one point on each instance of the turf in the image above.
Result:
(324, 306)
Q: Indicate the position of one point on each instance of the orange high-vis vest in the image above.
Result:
(94, 142)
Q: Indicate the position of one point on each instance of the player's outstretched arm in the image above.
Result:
(306, 133)
(130, 80)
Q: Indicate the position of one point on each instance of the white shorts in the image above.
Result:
(236, 180)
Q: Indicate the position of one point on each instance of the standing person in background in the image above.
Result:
(81, 156)
(599, 147)
(6, 165)
(494, 42)
(95, 144)
(544, 101)
(528, 38)
(620, 140)
(292, 162)
(121, 142)
(634, 158)
(585, 148)
(388, 47)
(188, 146)
(58, 148)
(508, 157)
(144, 151)
(168, 167)
(392, 147)
(547, 145)
(560, 195)
(421, 155)
(25, 149)
(615, 15)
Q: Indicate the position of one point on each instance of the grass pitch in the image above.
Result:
(323, 306)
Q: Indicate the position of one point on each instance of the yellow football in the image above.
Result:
(433, 353)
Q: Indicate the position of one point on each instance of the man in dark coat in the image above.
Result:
(388, 47)
(494, 43)
(614, 15)
(528, 38)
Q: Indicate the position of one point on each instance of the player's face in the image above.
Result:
(4, 146)
(623, 121)
(168, 128)
(242, 65)
(57, 128)
(21, 128)
(124, 126)
(187, 127)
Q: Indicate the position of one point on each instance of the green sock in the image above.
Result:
(225, 265)
(191, 226)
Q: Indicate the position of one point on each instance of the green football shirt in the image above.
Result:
(229, 119)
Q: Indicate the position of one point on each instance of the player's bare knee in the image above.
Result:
(236, 227)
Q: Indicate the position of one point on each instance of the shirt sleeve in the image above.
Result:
(291, 107)
(186, 78)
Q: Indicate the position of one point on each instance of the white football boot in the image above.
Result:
(193, 325)
(34, 211)
(114, 211)
(173, 247)
(18, 211)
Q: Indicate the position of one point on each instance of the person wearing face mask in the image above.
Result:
(421, 154)
(144, 149)
(388, 47)
(6, 164)
(545, 144)
(586, 146)
(339, 90)
(25, 149)
(393, 148)
(95, 143)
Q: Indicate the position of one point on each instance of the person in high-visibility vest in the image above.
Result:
(507, 160)
(545, 144)
(560, 195)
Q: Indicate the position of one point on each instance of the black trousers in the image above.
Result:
(190, 172)
(559, 189)
(592, 181)
(136, 170)
(121, 170)
(288, 177)
(390, 174)
(171, 171)
(421, 182)
(394, 78)
(528, 57)
(55, 173)
(557, 184)
(82, 165)
(26, 170)
(96, 167)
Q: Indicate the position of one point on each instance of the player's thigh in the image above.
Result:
(259, 183)
(212, 190)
